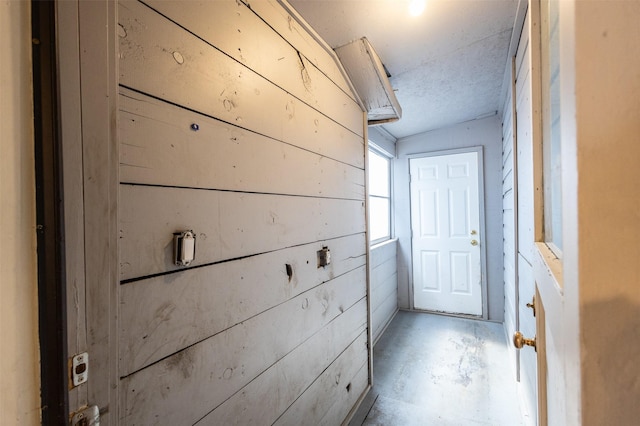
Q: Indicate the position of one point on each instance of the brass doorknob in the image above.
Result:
(474, 242)
(520, 341)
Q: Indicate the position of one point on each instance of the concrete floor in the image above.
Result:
(439, 370)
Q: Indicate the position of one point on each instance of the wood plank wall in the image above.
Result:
(525, 201)
(235, 123)
(508, 220)
(384, 286)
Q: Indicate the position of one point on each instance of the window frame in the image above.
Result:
(375, 150)
(550, 118)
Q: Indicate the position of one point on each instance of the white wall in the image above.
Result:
(382, 139)
(19, 363)
(604, 147)
(486, 133)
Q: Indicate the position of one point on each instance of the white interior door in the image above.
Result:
(445, 222)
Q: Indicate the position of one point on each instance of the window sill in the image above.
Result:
(552, 263)
(379, 244)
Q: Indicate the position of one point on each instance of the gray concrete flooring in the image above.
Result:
(440, 370)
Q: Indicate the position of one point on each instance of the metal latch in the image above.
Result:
(80, 369)
(88, 416)
(532, 305)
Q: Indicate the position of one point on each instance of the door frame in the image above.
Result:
(482, 231)
(88, 95)
(49, 217)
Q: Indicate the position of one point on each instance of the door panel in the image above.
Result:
(540, 270)
(445, 215)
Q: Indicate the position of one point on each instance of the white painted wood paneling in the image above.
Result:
(205, 375)
(305, 42)
(369, 77)
(299, 383)
(96, 33)
(252, 139)
(508, 218)
(191, 73)
(525, 209)
(384, 286)
(153, 320)
(158, 147)
(264, 51)
(337, 382)
(228, 225)
(384, 302)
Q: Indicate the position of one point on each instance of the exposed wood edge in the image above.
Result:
(548, 262)
(541, 358)
(368, 250)
(383, 121)
(304, 24)
(516, 33)
(516, 221)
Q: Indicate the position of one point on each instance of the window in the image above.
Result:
(379, 197)
(551, 153)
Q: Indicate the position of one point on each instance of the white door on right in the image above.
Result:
(446, 243)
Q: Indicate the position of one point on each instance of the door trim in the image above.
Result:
(88, 92)
(49, 218)
(483, 249)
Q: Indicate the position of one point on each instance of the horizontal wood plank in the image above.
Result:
(381, 317)
(154, 323)
(228, 225)
(286, 25)
(333, 383)
(382, 273)
(239, 32)
(382, 252)
(346, 398)
(296, 374)
(204, 375)
(158, 147)
(388, 288)
(190, 73)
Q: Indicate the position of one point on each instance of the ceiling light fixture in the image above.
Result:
(416, 7)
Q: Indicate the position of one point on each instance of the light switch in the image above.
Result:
(184, 247)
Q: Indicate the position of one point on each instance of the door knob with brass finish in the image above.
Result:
(520, 341)
(474, 242)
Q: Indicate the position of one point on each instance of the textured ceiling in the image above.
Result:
(447, 65)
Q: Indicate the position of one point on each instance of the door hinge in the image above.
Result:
(87, 416)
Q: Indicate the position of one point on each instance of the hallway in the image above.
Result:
(440, 370)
